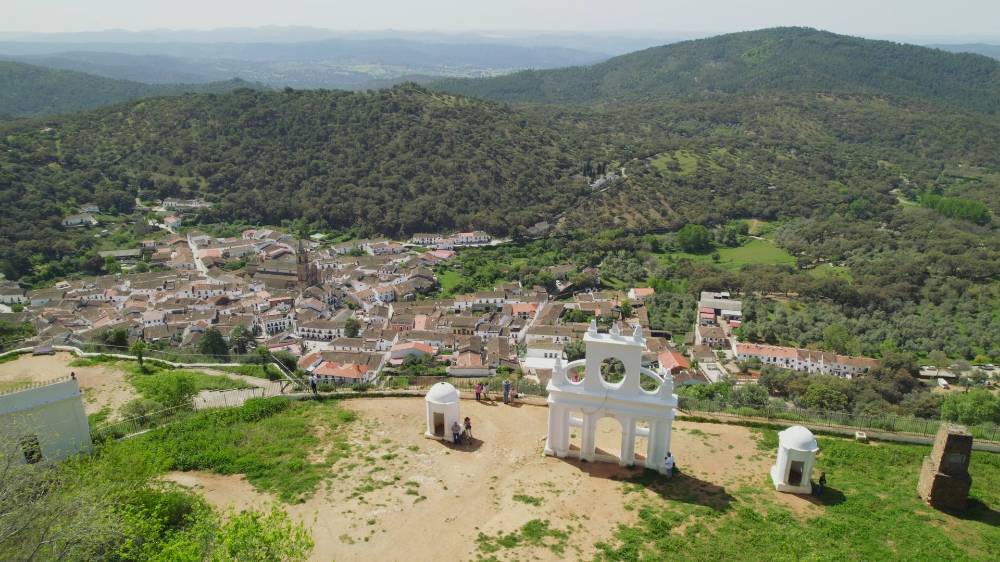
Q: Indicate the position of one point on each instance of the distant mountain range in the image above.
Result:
(32, 91)
(354, 63)
(610, 42)
(984, 49)
(783, 60)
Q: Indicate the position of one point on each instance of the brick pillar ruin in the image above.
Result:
(944, 478)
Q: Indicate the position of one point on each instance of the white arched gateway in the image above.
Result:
(582, 404)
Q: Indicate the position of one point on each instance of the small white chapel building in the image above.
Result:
(442, 411)
(792, 471)
(582, 404)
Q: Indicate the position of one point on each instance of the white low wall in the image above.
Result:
(80, 353)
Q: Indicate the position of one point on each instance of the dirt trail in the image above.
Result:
(102, 385)
(435, 499)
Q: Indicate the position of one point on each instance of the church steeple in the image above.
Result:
(307, 274)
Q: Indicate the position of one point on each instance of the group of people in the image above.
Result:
(509, 392)
(457, 434)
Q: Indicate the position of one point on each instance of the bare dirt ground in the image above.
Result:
(401, 496)
(102, 385)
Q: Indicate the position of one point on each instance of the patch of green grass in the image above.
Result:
(870, 510)
(754, 252)
(534, 533)
(99, 417)
(369, 485)
(830, 271)
(680, 162)
(251, 370)
(687, 161)
(449, 279)
(11, 357)
(93, 361)
(759, 227)
(530, 500)
(269, 440)
(150, 379)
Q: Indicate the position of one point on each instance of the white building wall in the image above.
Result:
(53, 414)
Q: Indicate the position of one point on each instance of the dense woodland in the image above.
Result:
(785, 60)
(869, 171)
(394, 161)
(34, 91)
(878, 165)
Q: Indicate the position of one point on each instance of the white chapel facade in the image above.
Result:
(579, 406)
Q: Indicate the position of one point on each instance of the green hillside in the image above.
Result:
(32, 91)
(784, 60)
(392, 161)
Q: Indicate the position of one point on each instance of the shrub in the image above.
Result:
(695, 238)
(140, 409)
(970, 408)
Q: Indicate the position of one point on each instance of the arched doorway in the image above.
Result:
(641, 444)
(608, 439)
(575, 433)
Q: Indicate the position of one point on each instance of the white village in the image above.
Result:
(495, 281)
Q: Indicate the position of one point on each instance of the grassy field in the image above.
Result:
(828, 270)
(449, 279)
(150, 378)
(755, 251)
(870, 511)
(681, 162)
(253, 371)
(272, 441)
(152, 374)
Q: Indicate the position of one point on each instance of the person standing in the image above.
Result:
(479, 391)
(822, 484)
(506, 391)
(313, 383)
(456, 433)
(468, 427)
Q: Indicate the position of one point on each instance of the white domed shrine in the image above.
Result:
(792, 472)
(442, 410)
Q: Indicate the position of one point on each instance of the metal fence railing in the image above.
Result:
(139, 424)
(30, 385)
(204, 401)
(493, 385)
(859, 422)
(890, 423)
(234, 397)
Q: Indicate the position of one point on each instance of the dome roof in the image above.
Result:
(442, 393)
(797, 438)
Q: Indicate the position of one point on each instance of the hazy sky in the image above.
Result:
(874, 18)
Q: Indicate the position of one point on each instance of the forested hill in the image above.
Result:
(399, 160)
(31, 91)
(985, 49)
(785, 60)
